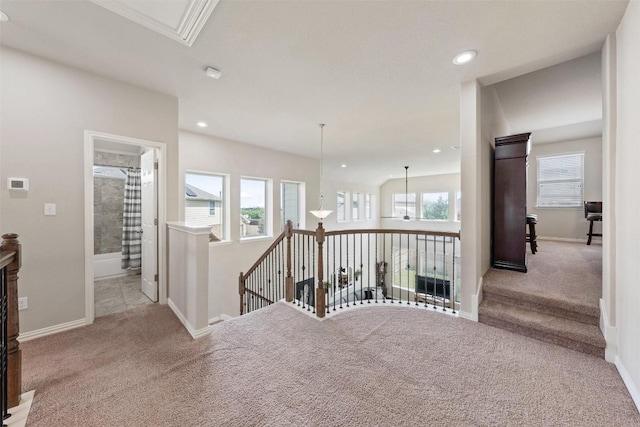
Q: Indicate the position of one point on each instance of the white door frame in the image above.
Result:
(89, 142)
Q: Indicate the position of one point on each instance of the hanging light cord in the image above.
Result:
(406, 193)
(321, 165)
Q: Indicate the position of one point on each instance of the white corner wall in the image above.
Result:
(471, 187)
(46, 107)
(627, 202)
(609, 120)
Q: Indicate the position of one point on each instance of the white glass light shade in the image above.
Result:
(321, 214)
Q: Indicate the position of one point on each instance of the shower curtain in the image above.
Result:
(132, 221)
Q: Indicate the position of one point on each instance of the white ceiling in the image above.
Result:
(378, 73)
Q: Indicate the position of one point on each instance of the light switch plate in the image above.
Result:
(49, 209)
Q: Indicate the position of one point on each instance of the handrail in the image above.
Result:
(275, 243)
(392, 231)
(6, 258)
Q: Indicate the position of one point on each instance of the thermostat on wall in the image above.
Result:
(21, 184)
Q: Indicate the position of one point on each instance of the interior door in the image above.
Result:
(148, 162)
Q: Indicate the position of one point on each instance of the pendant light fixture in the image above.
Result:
(406, 194)
(321, 213)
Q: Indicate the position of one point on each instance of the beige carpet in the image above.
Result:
(384, 365)
(563, 274)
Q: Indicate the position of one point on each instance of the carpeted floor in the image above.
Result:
(564, 273)
(391, 366)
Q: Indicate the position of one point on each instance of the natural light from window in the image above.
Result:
(205, 203)
(253, 203)
(435, 206)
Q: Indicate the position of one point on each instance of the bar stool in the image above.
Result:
(592, 212)
(532, 220)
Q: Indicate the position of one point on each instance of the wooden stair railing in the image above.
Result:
(316, 269)
(10, 261)
(244, 282)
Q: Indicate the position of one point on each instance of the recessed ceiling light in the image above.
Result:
(213, 73)
(202, 124)
(455, 147)
(464, 57)
(343, 165)
(437, 150)
(3, 17)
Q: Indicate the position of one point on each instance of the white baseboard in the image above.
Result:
(476, 299)
(610, 334)
(27, 336)
(195, 333)
(633, 389)
(221, 318)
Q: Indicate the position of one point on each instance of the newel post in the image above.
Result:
(10, 243)
(288, 292)
(320, 291)
(241, 290)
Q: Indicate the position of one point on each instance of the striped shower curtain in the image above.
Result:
(132, 222)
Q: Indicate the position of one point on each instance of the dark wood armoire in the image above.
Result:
(510, 202)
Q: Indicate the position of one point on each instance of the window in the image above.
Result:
(404, 204)
(435, 206)
(458, 206)
(341, 206)
(253, 207)
(367, 206)
(292, 204)
(355, 203)
(205, 203)
(560, 181)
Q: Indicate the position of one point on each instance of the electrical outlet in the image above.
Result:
(22, 303)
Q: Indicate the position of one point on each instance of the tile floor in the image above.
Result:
(118, 294)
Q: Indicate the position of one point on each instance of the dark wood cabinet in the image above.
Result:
(510, 202)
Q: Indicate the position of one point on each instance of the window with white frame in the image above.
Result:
(404, 205)
(367, 206)
(458, 206)
(435, 206)
(205, 203)
(253, 207)
(560, 181)
(292, 204)
(355, 203)
(341, 206)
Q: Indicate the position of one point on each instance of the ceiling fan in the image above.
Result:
(406, 216)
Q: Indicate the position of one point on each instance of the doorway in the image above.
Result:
(124, 199)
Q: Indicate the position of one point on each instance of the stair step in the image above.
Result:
(575, 335)
(551, 307)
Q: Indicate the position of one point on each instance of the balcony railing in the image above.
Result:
(325, 271)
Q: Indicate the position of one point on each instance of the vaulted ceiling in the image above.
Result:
(378, 73)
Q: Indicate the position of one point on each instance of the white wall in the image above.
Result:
(471, 168)
(609, 119)
(217, 155)
(46, 108)
(627, 201)
(566, 223)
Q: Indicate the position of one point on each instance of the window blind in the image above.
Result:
(560, 181)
